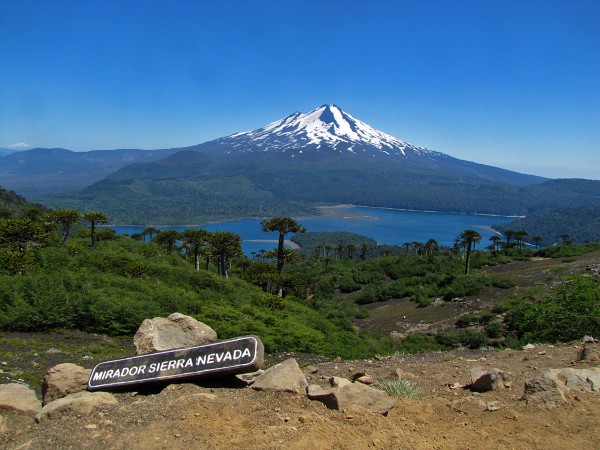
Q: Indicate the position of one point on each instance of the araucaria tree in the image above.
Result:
(195, 238)
(94, 218)
(283, 225)
(65, 218)
(468, 239)
(225, 245)
(168, 238)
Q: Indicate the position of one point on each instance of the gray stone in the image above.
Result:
(587, 380)
(79, 403)
(285, 376)
(64, 379)
(339, 382)
(313, 388)
(176, 331)
(355, 396)
(485, 380)
(546, 389)
(248, 378)
(18, 397)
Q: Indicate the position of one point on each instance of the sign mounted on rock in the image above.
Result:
(240, 355)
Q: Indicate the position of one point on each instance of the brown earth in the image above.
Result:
(219, 415)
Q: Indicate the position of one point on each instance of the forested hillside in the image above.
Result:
(13, 204)
(58, 270)
(574, 224)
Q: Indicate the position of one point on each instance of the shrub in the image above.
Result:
(466, 320)
(398, 388)
(568, 312)
(472, 338)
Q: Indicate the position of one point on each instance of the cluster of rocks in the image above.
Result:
(64, 386)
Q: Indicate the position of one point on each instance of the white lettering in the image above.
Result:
(211, 358)
(201, 359)
(180, 363)
(246, 353)
(153, 368)
(189, 363)
(163, 365)
(227, 356)
(237, 354)
(98, 376)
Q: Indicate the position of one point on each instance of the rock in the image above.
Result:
(285, 376)
(176, 331)
(3, 424)
(583, 353)
(528, 347)
(588, 339)
(18, 397)
(339, 382)
(77, 403)
(365, 379)
(354, 396)
(64, 379)
(584, 380)
(468, 405)
(53, 351)
(312, 388)
(545, 389)
(248, 378)
(311, 370)
(485, 380)
(492, 406)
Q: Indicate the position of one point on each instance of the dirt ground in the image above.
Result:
(217, 414)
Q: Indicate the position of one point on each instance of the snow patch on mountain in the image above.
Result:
(324, 127)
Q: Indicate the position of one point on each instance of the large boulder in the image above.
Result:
(64, 379)
(79, 403)
(486, 380)
(18, 397)
(546, 389)
(175, 331)
(354, 396)
(585, 380)
(285, 376)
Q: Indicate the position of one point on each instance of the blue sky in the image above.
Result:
(512, 83)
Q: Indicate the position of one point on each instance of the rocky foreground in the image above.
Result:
(538, 397)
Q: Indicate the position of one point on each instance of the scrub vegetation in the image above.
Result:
(58, 272)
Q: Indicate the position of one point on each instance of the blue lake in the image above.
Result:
(386, 226)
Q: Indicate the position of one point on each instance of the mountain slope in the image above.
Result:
(322, 157)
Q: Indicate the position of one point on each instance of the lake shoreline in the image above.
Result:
(326, 211)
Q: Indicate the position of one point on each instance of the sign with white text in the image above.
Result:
(240, 355)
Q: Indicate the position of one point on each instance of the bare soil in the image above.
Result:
(218, 414)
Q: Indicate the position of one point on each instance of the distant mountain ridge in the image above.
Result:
(291, 165)
(42, 171)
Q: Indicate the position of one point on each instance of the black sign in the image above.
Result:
(240, 355)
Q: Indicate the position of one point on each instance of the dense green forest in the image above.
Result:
(58, 270)
(579, 224)
(189, 188)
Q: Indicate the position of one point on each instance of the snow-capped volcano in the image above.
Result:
(326, 128)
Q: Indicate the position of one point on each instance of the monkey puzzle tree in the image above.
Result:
(468, 238)
(94, 218)
(283, 225)
(167, 238)
(225, 245)
(65, 218)
(196, 238)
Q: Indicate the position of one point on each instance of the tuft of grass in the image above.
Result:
(398, 388)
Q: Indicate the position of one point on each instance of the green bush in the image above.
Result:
(466, 320)
(566, 313)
